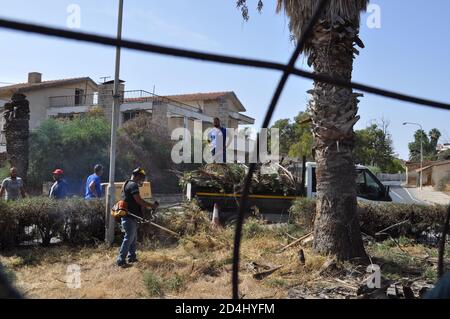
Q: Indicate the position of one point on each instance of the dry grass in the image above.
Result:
(198, 267)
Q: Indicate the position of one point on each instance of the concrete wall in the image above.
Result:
(106, 98)
(439, 172)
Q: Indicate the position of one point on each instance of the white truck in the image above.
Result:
(274, 207)
(368, 187)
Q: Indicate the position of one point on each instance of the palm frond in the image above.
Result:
(301, 11)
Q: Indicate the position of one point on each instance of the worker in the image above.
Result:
(59, 187)
(135, 205)
(218, 135)
(12, 186)
(93, 184)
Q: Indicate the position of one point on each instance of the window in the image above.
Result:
(129, 115)
(367, 185)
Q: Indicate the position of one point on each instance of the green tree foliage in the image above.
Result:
(429, 141)
(373, 147)
(296, 139)
(77, 145)
(73, 145)
(141, 143)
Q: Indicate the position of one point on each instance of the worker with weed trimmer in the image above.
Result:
(135, 206)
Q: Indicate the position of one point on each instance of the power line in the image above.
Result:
(197, 55)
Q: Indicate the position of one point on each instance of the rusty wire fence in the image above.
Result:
(287, 70)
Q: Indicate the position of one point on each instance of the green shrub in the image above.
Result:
(154, 284)
(253, 227)
(73, 145)
(176, 283)
(375, 217)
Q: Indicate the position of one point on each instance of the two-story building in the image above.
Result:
(66, 98)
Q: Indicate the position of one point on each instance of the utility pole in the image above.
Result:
(109, 221)
(421, 152)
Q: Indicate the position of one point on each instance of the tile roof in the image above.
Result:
(184, 98)
(24, 87)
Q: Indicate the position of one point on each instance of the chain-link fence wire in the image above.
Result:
(287, 69)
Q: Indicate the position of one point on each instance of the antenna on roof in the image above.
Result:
(104, 78)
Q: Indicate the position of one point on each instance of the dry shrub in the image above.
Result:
(191, 220)
(302, 212)
(444, 183)
(74, 221)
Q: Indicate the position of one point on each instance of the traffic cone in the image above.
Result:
(215, 216)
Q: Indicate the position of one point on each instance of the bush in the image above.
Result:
(253, 227)
(73, 145)
(192, 220)
(375, 217)
(154, 284)
(443, 183)
(142, 143)
(73, 221)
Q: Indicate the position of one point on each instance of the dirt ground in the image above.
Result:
(200, 267)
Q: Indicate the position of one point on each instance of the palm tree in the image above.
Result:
(17, 132)
(330, 51)
(435, 135)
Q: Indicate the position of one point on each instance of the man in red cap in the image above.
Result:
(59, 187)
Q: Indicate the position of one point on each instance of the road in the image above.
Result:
(401, 194)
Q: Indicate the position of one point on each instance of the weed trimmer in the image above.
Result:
(148, 221)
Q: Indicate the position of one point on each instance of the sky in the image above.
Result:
(408, 52)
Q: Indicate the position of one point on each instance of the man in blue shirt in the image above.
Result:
(59, 187)
(93, 184)
(217, 137)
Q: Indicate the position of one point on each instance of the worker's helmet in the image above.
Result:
(58, 172)
(139, 171)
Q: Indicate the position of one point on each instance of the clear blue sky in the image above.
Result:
(409, 53)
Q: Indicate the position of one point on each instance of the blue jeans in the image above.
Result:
(128, 246)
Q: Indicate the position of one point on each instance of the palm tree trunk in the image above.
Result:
(333, 112)
(17, 132)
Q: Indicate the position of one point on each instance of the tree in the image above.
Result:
(142, 143)
(429, 142)
(434, 135)
(333, 110)
(17, 133)
(296, 139)
(287, 135)
(373, 147)
(73, 145)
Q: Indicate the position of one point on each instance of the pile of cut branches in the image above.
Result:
(271, 178)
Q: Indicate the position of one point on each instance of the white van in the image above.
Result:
(368, 187)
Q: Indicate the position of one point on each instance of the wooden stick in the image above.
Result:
(165, 229)
(291, 237)
(296, 242)
(398, 224)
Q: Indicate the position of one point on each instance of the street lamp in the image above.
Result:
(421, 151)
